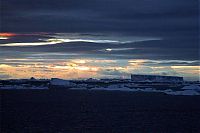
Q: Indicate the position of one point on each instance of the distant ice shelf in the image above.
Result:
(96, 85)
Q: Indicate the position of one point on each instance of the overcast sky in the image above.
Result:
(99, 38)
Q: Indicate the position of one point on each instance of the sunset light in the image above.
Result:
(5, 34)
(99, 66)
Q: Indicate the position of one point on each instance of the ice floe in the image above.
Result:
(61, 82)
(191, 87)
(10, 87)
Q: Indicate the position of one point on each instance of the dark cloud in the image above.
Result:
(175, 21)
(172, 63)
(158, 49)
(152, 17)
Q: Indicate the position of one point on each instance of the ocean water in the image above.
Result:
(81, 111)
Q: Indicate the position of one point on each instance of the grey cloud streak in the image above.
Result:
(175, 22)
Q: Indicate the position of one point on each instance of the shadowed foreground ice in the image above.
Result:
(187, 90)
(94, 85)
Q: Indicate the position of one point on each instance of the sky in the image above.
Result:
(78, 39)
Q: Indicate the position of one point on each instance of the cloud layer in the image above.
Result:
(163, 33)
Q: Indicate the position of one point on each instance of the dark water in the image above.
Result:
(68, 111)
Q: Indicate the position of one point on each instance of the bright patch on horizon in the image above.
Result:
(90, 68)
(6, 35)
(3, 38)
(116, 49)
(109, 49)
(33, 43)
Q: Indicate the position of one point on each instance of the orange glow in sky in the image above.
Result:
(5, 34)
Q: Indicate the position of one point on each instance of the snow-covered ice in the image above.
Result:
(7, 87)
(61, 82)
(185, 92)
(113, 88)
(191, 87)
